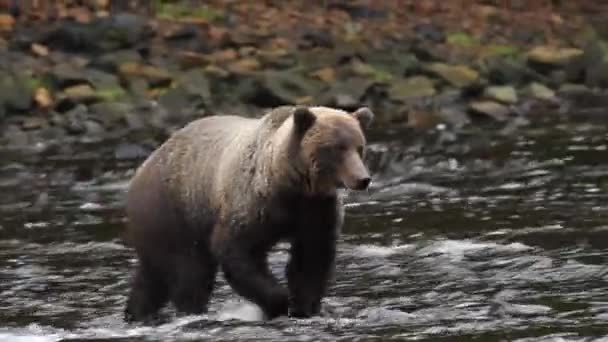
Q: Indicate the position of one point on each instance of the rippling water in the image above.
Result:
(473, 236)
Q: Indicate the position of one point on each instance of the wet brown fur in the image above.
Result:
(222, 191)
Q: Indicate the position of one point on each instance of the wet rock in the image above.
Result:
(127, 151)
(491, 109)
(413, 87)
(572, 90)
(216, 71)
(118, 31)
(154, 75)
(430, 32)
(196, 85)
(94, 129)
(110, 113)
(134, 121)
(33, 122)
(457, 75)
(539, 91)
(504, 94)
(327, 74)
(80, 93)
(15, 136)
(553, 56)
(596, 64)
(346, 93)
(506, 70)
(357, 11)
(67, 74)
(288, 87)
(316, 38)
(422, 119)
(244, 66)
(75, 118)
(177, 104)
(278, 58)
(455, 116)
(101, 80)
(110, 62)
(16, 93)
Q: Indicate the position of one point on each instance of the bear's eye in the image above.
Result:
(360, 150)
(342, 147)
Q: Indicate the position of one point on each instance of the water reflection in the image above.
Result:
(474, 235)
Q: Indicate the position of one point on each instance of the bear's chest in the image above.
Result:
(288, 214)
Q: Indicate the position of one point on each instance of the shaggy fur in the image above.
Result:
(224, 189)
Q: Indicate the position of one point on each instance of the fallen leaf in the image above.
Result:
(7, 22)
(40, 50)
(43, 98)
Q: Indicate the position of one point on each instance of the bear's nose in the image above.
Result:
(364, 183)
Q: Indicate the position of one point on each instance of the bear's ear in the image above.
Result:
(364, 115)
(303, 119)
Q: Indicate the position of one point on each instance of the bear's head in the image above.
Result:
(331, 148)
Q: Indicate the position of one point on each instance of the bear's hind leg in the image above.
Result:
(149, 292)
(195, 280)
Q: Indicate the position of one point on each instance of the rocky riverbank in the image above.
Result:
(104, 77)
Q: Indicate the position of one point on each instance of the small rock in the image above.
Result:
(539, 91)
(223, 56)
(492, 109)
(454, 116)
(15, 136)
(127, 151)
(74, 119)
(553, 56)
(460, 76)
(422, 119)
(353, 89)
(33, 122)
(134, 121)
(327, 74)
(110, 113)
(190, 59)
(413, 87)
(505, 70)
(177, 103)
(595, 64)
(156, 76)
(121, 30)
(360, 68)
(196, 85)
(93, 128)
(244, 66)
(100, 79)
(317, 38)
(288, 86)
(216, 71)
(110, 62)
(15, 93)
(80, 93)
(66, 74)
(430, 32)
(504, 94)
(345, 101)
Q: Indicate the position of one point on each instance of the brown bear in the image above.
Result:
(223, 190)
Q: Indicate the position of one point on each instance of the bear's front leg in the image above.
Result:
(309, 269)
(248, 274)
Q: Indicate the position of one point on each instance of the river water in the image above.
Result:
(471, 236)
